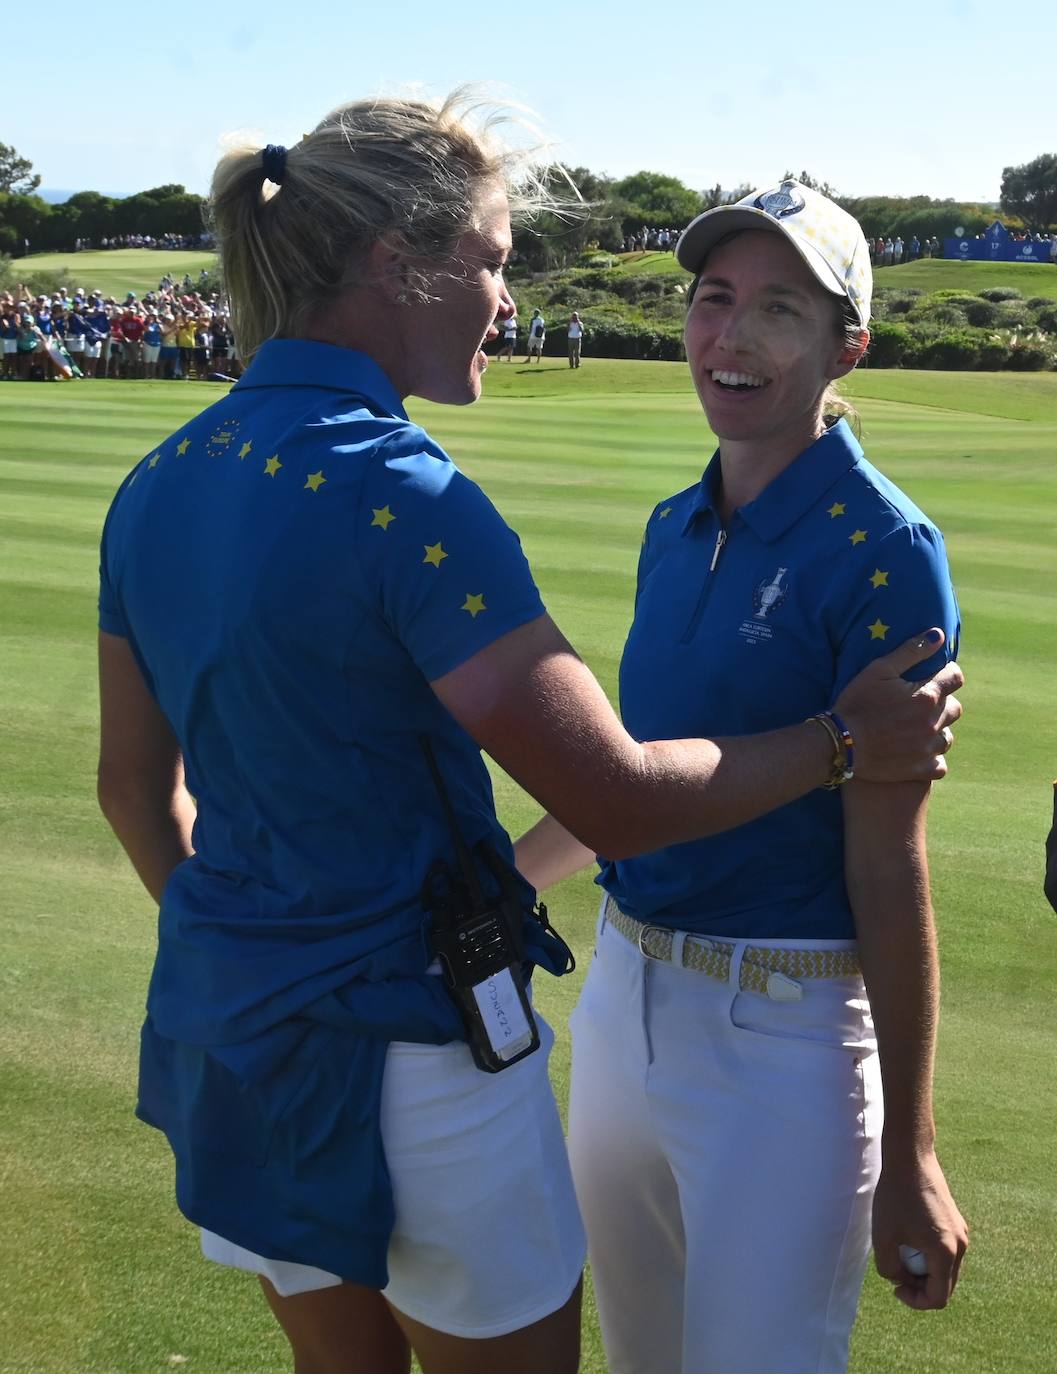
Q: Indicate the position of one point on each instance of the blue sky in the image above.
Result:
(875, 98)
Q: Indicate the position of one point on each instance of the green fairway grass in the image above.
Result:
(117, 271)
(101, 1274)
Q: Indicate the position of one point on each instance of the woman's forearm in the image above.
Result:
(155, 835)
(548, 853)
(887, 878)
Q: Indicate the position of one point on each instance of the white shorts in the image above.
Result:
(535, 346)
(479, 1168)
(93, 350)
(725, 1147)
(150, 352)
(75, 343)
(10, 345)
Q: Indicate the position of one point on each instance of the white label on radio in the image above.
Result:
(504, 1017)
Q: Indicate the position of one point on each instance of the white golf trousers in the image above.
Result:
(725, 1148)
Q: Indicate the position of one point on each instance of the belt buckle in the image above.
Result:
(643, 933)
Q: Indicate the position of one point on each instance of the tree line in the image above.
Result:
(601, 211)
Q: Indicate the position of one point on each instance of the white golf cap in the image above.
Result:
(828, 239)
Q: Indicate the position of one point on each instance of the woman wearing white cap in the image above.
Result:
(726, 1106)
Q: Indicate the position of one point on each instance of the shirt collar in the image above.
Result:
(323, 367)
(794, 491)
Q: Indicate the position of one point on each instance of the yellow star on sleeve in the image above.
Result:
(273, 465)
(859, 537)
(154, 461)
(665, 513)
(315, 480)
(244, 451)
(183, 446)
(382, 518)
(434, 554)
(474, 604)
(879, 579)
(836, 509)
(878, 629)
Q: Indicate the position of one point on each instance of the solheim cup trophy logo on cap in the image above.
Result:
(784, 201)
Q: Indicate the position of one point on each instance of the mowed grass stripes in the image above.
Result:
(102, 1276)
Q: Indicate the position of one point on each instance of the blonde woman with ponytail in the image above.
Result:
(299, 590)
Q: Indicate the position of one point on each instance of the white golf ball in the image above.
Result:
(913, 1260)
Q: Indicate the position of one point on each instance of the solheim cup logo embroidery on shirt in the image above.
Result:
(768, 596)
(778, 204)
(222, 438)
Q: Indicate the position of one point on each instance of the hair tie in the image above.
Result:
(273, 159)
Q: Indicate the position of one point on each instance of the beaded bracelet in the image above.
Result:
(843, 768)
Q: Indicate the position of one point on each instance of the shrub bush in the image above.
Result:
(1040, 302)
(1021, 350)
(1046, 319)
(954, 350)
(993, 353)
(612, 338)
(1031, 353)
(1011, 314)
(981, 313)
(903, 303)
(1000, 293)
(890, 344)
(942, 313)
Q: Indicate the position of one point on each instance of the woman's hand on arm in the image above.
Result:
(533, 705)
(141, 778)
(886, 871)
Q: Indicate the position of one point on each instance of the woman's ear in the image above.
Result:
(389, 271)
(851, 354)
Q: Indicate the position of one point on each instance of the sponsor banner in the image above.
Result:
(997, 245)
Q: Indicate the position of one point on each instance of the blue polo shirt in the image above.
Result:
(756, 627)
(291, 570)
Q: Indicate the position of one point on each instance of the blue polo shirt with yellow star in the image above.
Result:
(291, 570)
(755, 627)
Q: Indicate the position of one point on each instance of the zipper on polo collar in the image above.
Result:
(695, 619)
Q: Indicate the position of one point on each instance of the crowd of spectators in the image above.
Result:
(649, 240)
(889, 252)
(182, 241)
(178, 332)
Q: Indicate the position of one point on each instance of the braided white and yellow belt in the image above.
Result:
(713, 957)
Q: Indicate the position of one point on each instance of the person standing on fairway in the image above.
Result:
(537, 333)
(298, 590)
(575, 331)
(751, 992)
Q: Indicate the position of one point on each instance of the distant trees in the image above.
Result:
(882, 216)
(169, 209)
(1030, 192)
(16, 173)
(654, 199)
(813, 184)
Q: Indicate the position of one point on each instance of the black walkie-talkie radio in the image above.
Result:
(480, 948)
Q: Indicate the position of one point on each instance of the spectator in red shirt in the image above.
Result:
(132, 326)
(117, 344)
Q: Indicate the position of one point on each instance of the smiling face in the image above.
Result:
(443, 338)
(763, 341)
